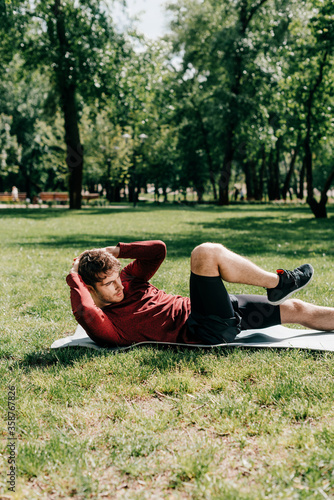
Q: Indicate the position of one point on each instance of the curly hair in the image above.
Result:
(93, 263)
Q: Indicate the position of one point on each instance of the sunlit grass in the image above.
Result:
(161, 423)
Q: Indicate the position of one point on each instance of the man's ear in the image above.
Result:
(91, 289)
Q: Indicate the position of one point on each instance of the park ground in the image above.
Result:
(160, 423)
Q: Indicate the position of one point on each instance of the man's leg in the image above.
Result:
(213, 259)
(214, 319)
(315, 317)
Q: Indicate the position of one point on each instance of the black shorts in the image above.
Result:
(217, 317)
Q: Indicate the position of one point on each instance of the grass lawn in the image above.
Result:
(161, 423)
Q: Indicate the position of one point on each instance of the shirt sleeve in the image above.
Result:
(148, 256)
(92, 319)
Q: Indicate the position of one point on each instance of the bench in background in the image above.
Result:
(64, 197)
(5, 197)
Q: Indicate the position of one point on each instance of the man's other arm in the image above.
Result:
(148, 256)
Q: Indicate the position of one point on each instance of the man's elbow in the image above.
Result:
(84, 315)
(162, 248)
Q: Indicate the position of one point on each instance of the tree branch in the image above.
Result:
(251, 14)
(327, 185)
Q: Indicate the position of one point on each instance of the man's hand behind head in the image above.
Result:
(114, 251)
(75, 265)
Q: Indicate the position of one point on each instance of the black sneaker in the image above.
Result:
(289, 283)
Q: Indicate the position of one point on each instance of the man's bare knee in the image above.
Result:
(293, 311)
(203, 249)
(205, 258)
(299, 306)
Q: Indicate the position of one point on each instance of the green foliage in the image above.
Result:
(22, 98)
(83, 55)
(239, 93)
(257, 64)
(108, 154)
(9, 149)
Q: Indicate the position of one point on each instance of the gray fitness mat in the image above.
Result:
(275, 336)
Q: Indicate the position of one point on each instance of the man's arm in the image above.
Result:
(148, 256)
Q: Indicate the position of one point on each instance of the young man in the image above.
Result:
(122, 308)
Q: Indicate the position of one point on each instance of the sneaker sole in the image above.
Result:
(278, 302)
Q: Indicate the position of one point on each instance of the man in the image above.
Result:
(15, 194)
(122, 308)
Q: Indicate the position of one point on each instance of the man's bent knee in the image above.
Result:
(203, 249)
(204, 259)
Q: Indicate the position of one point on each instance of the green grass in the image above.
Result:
(158, 423)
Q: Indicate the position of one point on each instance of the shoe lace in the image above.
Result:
(291, 276)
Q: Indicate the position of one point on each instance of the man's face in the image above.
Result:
(109, 290)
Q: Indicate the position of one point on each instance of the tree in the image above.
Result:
(193, 119)
(10, 152)
(22, 99)
(75, 44)
(324, 34)
(224, 43)
(146, 99)
(108, 155)
(258, 64)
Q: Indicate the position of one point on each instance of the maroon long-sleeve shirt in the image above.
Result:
(144, 314)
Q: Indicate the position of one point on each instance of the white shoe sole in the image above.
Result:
(278, 302)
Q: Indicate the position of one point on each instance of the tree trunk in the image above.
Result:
(200, 192)
(164, 191)
(249, 175)
(108, 186)
(133, 181)
(225, 175)
(260, 179)
(207, 150)
(213, 184)
(288, 177)
(74, 158)
(28, 188)
(301, 181)
(117, 193)
(273, 181)
(27, 183)
(318, 208)
(67, 90)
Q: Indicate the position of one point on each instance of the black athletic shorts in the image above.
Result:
(217, 317)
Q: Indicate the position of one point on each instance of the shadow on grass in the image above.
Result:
(247, 235)
(68, 356)
(254, 235)
(51, 213)
(45, 213)
(50, 357)
(156, 357)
